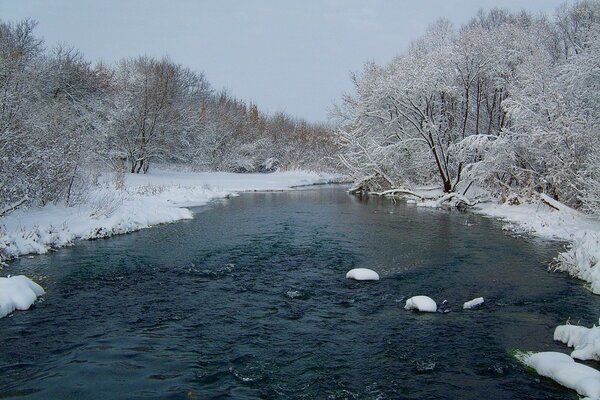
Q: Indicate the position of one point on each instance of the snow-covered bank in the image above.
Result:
(143, 201)
(550, 219)
(17, 293)
(540, 216)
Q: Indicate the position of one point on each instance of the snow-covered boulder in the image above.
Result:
(585, 341)
(565, 371)
(362, 274)
(421, 303)
(17, 293)
(473, 303)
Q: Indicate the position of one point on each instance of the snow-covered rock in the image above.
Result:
(585, 341)
(473, 303)
(421, 303)
(17, 293)
(565, 371)
(362, 274)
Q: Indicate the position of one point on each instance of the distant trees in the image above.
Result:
(152, 111)
(62, 120)
(509, 102)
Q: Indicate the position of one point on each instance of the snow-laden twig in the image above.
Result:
(12, 207)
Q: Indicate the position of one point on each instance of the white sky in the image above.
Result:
(285, 55)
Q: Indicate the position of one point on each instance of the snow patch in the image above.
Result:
(362, 274)
(17, 293)
(565, 371)
(421, 303)
(473, 303)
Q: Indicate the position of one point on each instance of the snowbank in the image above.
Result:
(585, 341)
(362, 274)
(421, 303)
(145, 200)
(565, 371)
(17, 293)
(473, 303)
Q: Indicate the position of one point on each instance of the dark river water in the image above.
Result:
(249, 300)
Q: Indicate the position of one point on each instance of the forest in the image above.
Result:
(65, 121)
(508, 103)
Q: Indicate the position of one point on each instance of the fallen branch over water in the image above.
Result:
(393, 192)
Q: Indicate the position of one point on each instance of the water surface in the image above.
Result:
(249, 301)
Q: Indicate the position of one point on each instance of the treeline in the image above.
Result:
(509, 102)
(64, 120)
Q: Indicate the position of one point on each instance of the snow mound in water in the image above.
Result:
(17, 293)
(565, 371)
(585, 341)
(362, 274)
(421, 303)
(473, 303)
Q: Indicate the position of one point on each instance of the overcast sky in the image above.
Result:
(285, 55)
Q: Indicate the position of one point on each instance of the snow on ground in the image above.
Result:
(362, 274)
(17, 293)
(473, 303)
(585, 341)
(565, 371)
(421, 303)
(145, 200)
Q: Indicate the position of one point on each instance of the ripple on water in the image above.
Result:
(258, 306)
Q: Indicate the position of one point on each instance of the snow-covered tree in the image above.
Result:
(509, 102)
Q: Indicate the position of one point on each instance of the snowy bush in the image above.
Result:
(581, 259)
(105, 203)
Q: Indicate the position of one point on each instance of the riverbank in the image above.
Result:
(136, 202)
(541, 217)
(549, 219)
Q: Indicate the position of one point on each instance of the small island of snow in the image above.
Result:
(473, 303)
(17, 293)
(362, 274)
(421, 303)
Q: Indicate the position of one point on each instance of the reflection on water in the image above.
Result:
(249, 300)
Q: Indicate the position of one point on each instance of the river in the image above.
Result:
(249, 300)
